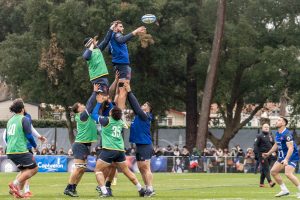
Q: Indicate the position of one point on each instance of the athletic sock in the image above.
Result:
(283, 187)
(16, 182)
(138, 186)
(298, 187)
(108, 184)
(103, 190)
(150, 188)
(26, 188)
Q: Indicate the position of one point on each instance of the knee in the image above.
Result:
(273, 172)
(288, 174)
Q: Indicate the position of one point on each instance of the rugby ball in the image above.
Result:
(148, 19)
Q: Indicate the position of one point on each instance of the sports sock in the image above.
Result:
(26, 188)
(138, 186)
(150, 188)
(103, 190)
(16, 182)
(283, 187)
(298, 187)
(108, 184)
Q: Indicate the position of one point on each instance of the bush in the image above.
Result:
(42, 123)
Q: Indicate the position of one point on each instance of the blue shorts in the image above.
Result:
(144, 152)
(103, 84)
(292, 163)
(81, 150)
(124, 71)
(110, 156)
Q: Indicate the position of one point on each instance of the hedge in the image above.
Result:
(42, 123)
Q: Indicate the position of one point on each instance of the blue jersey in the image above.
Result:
(118, 51)
(281, 140)
(140, 130)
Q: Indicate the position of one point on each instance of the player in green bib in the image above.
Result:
(113, 149)
(86, 135)
(96, 64)
(18, 133)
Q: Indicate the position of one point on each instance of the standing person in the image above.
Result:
(86, 135)
(263, 143)
(113, 150)
(287, 157)
(120, 56)
(17, 135)
(27, 192)
(97, 67)
(140, 135)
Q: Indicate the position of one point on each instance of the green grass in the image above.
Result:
(167, 186)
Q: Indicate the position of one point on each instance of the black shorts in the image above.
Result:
(110, 156)
(81, 150)
(23, 160)
(143, 152)
(124, 71)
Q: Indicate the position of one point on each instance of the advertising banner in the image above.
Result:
(52, 163)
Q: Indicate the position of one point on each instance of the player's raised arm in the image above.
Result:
(89, 105)
(102, 45)
(27, 130)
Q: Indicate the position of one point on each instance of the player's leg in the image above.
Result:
(289, 172)
(80, 152)
(143, 157)
(120, 161)
(104, 161)
(28, 167)
(277, 167)
(267, 172)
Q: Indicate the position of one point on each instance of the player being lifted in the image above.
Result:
(97, 68)
(120, 57)
(287, 157)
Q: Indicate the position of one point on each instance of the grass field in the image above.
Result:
(168, 186)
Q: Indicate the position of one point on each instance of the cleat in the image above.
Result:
(142, 192)
(28, 194)
(272, 184)
(149, 193)
(98, 188)
(104, 195)
(71, 193)
(15, 190)
(282, 193)
(109, 191)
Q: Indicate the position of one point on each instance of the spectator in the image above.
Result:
(70, 152)
(35, 151)
(52, 150)
(176, 151)
(240, 153)
(220, 160)
(185, 152)
(249, 162)
(169, 151)
(196, 152)
(45, 151)
(61, 151)
(233, 152)
(1, 150)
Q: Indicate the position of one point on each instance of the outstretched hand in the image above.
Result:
(141, 29)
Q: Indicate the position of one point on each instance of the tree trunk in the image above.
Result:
(69, 125)
(191, 102)
(211, 76)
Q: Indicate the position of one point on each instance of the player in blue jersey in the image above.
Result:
(287, 157)
(120, 57)
(140, 135)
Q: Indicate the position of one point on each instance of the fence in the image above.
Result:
(175, 164)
